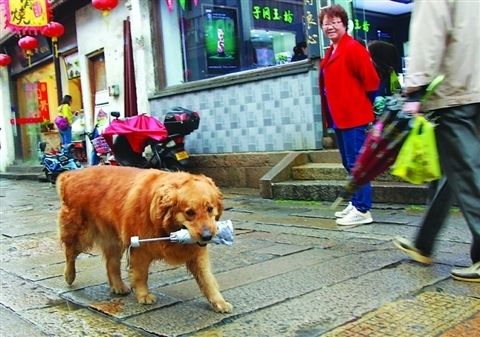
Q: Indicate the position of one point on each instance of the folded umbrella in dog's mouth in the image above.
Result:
(225, 235)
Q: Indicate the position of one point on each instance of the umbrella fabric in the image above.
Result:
(380, 148)
(137, 129)
(224, 235)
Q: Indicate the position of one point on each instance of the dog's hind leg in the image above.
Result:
(200, 269)
(112, 251)
(71, 253)
(68, 233)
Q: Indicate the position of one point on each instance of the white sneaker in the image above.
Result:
(470, 274)
(345, 211)
(355, 217)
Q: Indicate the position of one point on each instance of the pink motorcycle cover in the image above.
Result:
(137, 129)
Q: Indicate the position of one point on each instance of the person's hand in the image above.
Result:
(413, 108)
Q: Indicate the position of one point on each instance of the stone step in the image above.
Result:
(24, 168)
(325, 156)
(328, 190)
(23, 171)
(330, 171)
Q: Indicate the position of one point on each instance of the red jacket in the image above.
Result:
(345, 78)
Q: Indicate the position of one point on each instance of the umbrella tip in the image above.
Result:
(336, 203)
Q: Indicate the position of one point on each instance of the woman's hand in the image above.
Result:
(413, 108)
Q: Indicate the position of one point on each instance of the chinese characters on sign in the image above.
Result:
(361, 25)
(26, 15)
(272, 14)
(312, 29)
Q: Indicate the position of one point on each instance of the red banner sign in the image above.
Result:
(26, 120)
(26, 16)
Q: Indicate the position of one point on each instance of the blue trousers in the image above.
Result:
(66, 136)
(349, 143)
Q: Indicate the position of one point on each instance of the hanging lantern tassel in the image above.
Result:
(54, 30)
(28, 43)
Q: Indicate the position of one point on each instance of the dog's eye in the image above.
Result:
(190, 212)
(209, 209)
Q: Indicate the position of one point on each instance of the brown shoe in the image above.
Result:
(408, 247)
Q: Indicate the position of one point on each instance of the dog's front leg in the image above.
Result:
(138, 274)
(200, 269)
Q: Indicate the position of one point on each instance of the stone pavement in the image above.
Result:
(291, 272)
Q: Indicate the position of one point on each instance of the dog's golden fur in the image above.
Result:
(107, 205)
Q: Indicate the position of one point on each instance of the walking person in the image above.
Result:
(444, 39)
(65, 111)
(347, 78)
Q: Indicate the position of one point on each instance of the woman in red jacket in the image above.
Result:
(347, 77)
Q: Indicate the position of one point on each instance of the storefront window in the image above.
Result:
(216, 38)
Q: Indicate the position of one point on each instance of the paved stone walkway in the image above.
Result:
(291, 272)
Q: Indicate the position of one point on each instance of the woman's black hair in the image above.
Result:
(67, 99)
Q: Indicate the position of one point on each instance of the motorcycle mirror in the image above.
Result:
(115, 114)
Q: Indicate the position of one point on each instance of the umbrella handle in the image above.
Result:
(432, 87)
(337, 202)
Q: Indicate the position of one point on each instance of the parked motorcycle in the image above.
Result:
(56, 163)
(128, 138)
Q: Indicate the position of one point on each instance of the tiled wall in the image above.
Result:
(277, 114)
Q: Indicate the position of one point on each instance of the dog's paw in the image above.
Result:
(223, 307)
(146, 299)
(69, 274)
(121, 290)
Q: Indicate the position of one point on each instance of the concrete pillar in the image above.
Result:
(7, 149)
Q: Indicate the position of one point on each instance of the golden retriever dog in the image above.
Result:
(107, 205)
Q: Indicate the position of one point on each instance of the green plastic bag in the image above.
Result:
(417, 162)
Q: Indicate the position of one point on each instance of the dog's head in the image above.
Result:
(185, 200)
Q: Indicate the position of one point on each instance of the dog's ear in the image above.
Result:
(219, 205)
(218, 197)
(163, 200)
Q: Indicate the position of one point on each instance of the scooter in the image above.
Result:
(101, 153)
(54, 164)
(129, 137)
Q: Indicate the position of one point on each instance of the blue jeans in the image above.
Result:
(65, 136)
(350, 142)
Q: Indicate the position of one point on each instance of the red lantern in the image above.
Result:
(5, 60)
(28, 43)
(53, 30)
(105, 5)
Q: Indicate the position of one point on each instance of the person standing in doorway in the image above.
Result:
(347, 78)
(65, 111)
(299, 52)
(444, 40)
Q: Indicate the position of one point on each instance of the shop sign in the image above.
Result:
(267, 14)
(272, 14)
(26, 16)
(361, 25)
(312, 29)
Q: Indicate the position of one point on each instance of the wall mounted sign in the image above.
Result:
(272, 14)
(26, 16)
(361, 25)
(312, 30)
